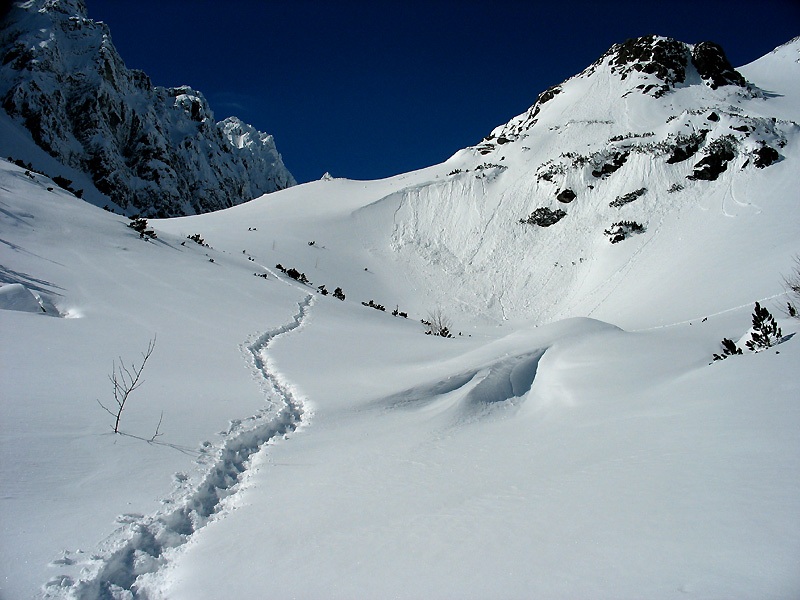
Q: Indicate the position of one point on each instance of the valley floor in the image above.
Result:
(350, 455)
(574, 460)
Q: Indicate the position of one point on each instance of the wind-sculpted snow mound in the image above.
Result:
(16, 296)
(474, 394)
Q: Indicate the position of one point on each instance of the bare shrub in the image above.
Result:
(125, 380)
(438, 323)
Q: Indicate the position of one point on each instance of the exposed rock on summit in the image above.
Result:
(712, 65)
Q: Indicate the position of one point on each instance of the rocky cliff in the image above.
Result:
(152, 150)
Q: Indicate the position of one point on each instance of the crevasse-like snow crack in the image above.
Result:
(139, 547)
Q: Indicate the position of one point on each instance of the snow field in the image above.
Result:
(636, 470)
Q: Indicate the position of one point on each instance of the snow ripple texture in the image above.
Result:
(140, 547)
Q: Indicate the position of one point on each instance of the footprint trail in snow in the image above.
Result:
(139, 547)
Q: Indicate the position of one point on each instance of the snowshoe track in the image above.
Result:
(139, 547)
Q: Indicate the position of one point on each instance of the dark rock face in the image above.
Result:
(686, 146)
(614, 163)
(663, 57)
(544, 97)
(548, 95)
(765, 156)
(154, 151)
(544, 217)
(566, 196)
(711, 63)
(719, 153)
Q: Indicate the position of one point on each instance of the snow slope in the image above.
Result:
(778, 74)
(571, 440)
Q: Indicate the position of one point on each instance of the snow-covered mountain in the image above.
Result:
(575, 438)
(152, 150)
(654, 143)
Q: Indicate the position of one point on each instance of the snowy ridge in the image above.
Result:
(141, 546)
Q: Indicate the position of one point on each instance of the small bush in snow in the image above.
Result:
(197, 239)
(66, 184)
(544, 217)
(627, 198)
(293, 273)
(140, 226)
(622, 230)
(372, 304)
(438, 324)
(729, 348)
(125, 380)
(766, 332)
(297, 275)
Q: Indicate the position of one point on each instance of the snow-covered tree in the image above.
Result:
(766, 332)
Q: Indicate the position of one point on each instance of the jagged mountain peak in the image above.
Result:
(152, 150)
(242, 135)
(663, 57)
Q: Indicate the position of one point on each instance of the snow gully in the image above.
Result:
(140, 547)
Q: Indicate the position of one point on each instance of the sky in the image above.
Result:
(370, 89)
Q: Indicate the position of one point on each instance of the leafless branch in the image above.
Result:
(157, 434)
(126, 379)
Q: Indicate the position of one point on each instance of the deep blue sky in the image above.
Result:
(368, 89)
